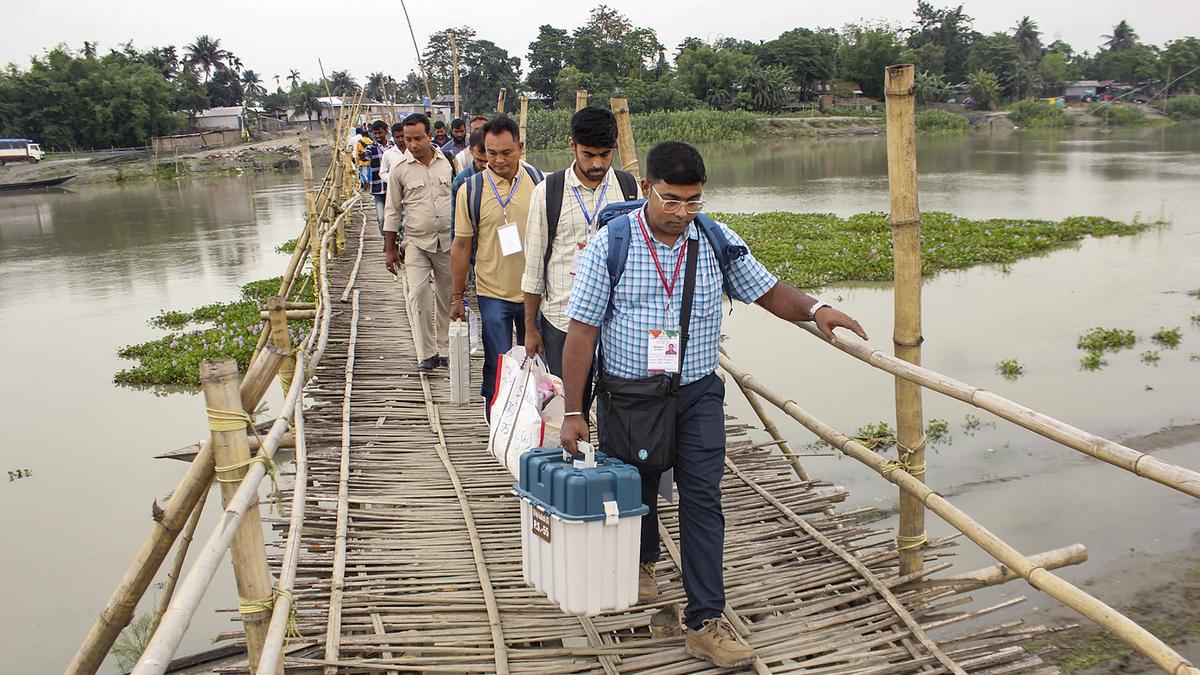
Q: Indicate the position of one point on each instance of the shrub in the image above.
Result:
(1119, 115)
(940, 121)
(1183, 108)
(1036, 114)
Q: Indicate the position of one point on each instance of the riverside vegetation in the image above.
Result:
(807, 250)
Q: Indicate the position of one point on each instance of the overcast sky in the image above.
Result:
(273, 37)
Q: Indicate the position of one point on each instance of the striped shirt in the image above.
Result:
(554, 283)
(375, 153)
(640, 302)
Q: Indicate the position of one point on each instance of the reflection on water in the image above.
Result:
(81, 272)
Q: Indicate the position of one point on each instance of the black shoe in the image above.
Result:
(428, 364)
(443, 361)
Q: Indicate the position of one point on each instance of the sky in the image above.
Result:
(271, 41)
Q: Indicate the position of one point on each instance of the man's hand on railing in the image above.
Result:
(828, 318)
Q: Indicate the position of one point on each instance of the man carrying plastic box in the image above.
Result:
(660, 402)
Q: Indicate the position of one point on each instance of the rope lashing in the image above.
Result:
(891, 466)
(909, 543)
(292, 632)
(228, 420)
(239, 420)
(256, 606)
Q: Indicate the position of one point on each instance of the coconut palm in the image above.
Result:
(342, 84)
(768, 87)
(206, 53)
(276, 76)
(931, 88)
(164, 59)
(380, 86)
(252, 86)
(305, 101)
(1028, 39)
(1122, 37)
(294, 78)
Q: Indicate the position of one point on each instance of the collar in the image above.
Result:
(408, 157)
(500, 180)
(573, 178)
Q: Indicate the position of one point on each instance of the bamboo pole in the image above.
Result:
(500, 100)
(420, 61)
(1038, 577)
(993, 575)
(1141, 464)
(284, 612)
(454, 65)
(118, 611)
(219, 378)
(772, 430)
(185, 541)
(629, 159)
(899, 88)
(292, 314)
(581, 99)
(280, 338)
(523, 119)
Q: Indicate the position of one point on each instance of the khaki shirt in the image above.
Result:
(497, 275)
(418, 199)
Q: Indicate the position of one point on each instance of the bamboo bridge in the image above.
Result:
(400, 551)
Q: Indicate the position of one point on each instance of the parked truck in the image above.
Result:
(20, 150)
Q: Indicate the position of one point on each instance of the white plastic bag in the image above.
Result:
(528, 398)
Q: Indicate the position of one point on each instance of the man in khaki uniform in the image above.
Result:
(419, 199)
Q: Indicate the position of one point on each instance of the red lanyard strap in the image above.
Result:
(662, 275)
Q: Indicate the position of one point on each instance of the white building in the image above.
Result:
(229, 118)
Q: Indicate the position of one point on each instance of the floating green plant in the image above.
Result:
(1011, 369)
(1150, 357)
(1168, 338)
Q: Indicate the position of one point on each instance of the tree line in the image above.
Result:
(123, 97)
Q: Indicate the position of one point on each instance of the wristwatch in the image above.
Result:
(819, 305)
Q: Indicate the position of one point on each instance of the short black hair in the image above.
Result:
(417, 118)
(379, 124)
(439, 125)
(594, 127)
(675, 163)
(501, 123)
(398, 129)
(476, 140)
(457, 123)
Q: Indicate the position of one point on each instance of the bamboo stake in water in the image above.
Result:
(118, 611)
(185, 542)
(899, 86)
(219, 380)
(500, 100)
(281, 338)
(581, 99)
(629, 158)
(454, 65)
(523, 119)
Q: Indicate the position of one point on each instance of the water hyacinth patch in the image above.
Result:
(809, 250)
(1010, 369)
(224, 330)
(1169, 339)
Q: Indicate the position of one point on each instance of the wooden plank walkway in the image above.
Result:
(424, 573)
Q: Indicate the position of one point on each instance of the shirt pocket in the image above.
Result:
(707, 299)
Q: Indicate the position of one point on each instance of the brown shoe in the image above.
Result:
(719, 643)
(647, 583)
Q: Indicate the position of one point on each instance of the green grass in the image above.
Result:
(1011, 369)
(1169, 339)
(809, 250)
(548, 129)
(218, 330)
(934, 121)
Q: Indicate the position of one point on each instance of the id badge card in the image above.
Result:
(663, 352)
(575, 260)
(510, 239)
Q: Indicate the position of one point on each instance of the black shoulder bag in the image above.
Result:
(636, 418)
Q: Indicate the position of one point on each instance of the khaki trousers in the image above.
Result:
(428, 276)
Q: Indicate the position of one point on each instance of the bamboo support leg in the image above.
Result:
(625, 144)
(581, 99)
(281, 339)
(906, 237)
(185, 542)
(231, 454)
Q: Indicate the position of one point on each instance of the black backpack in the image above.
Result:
(556, 184)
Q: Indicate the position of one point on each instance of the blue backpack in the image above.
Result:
(614, 218)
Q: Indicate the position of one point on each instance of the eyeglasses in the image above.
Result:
(692, 206)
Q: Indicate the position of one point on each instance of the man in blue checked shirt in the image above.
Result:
(374, 156)
(630, 320)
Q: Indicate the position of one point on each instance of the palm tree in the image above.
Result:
(276, 76)
(206, 53)
(164, 59)
(305, 101)
(294, 78)
(1122, 37)
(1028, 39)
(768, 86)
(377, 86)
(252, 86)
(342, 84)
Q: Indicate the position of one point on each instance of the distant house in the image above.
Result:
(228, 118)
(1081, 89)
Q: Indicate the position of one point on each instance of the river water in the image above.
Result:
(81, 272)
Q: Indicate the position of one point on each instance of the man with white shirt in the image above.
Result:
(562, 217)
(391, 158)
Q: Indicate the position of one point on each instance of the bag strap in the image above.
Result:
(474, 200)
(628, 183)
(685, 311)
(555, 186)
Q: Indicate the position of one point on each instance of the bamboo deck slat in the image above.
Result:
(432, 562)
